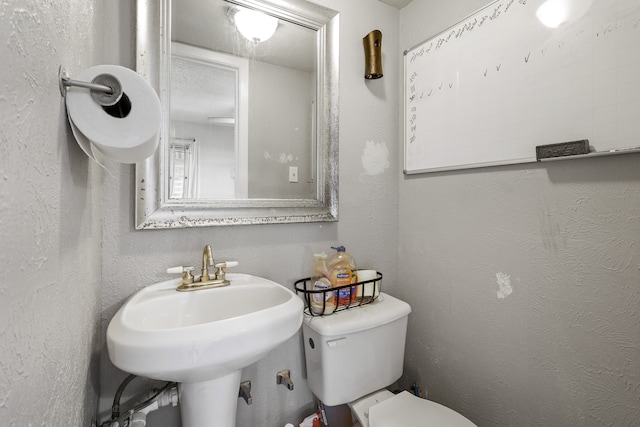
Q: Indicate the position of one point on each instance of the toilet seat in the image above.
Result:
(384, 409)
(360, 408)
(405, 409)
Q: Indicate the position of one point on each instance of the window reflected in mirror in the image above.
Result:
(183, 165)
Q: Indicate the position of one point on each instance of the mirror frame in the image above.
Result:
(153, 209)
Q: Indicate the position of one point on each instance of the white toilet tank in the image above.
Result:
(357, 351)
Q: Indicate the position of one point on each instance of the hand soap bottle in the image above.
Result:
(342, 271)
(321, 302)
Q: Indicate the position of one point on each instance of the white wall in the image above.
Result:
(367, 227)
(49, 219)
(562, 348)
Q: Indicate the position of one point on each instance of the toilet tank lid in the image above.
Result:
(385, 309)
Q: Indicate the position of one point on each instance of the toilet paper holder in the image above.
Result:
(105, 89)
(102, 119)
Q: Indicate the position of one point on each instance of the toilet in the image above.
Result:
(352, 355)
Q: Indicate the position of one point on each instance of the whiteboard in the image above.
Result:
(491, 88)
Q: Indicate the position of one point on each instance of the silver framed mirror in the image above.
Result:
(262, 175)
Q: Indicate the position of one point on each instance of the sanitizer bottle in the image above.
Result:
(342, 272)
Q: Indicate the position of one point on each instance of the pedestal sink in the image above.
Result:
(203, 339)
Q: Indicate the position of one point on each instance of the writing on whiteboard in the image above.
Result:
(496, 85)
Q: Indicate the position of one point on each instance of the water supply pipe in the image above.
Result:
(137, 416)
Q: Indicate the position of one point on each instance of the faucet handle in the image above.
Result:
(187, 277)
(179, 269)
(226, 264)
(220, 273)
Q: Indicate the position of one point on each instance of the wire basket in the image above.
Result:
(323, 302)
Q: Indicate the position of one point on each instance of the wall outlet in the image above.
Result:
(293, 174)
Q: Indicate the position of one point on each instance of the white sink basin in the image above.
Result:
(202, 339)
(204, 334)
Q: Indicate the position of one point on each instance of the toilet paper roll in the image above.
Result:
(371, 289)
(88, 148)
(82, 140)
(125, 136)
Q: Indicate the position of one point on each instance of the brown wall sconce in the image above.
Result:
(373, 55)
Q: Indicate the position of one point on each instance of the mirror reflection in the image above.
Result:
(243, 96)
(249, 120)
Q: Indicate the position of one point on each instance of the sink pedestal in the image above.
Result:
(210, 403)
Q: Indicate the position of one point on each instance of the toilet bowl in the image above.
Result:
(353, 355)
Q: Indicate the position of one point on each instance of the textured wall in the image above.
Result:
(523, 280)
(49, 219)
(367, 226)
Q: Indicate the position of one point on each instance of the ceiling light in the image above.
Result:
(255, 26)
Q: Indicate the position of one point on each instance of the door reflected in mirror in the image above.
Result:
(242, 106)
(209, 126)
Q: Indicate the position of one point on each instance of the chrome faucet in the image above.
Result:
(206, 280)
